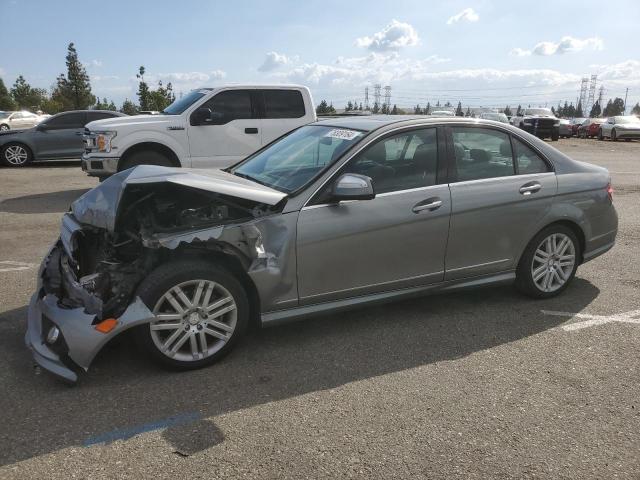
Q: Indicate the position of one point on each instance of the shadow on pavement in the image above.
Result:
(123, 389)
(42, 202)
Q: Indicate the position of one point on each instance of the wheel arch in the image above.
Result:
(149, 146)
(29, 148)
(570, 224)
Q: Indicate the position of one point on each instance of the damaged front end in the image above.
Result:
(117, 233)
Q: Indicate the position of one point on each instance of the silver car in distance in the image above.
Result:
(337, 214)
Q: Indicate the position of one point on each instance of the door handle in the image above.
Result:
(529, 188)
(430, 204)
(251, 130)
(79, 133)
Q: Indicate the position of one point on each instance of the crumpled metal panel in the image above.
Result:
(99, 206)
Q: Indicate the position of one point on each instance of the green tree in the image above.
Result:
(161, 98)
(596, 111)
(143, 90)
(613, 108)
(73, 91)
(27, 97)
(427, 109)
(438, 104)
(636, 109)
(417, 110)
(376, 108)
(385, 109)
(459, 112)
(349, 106)
(129, 108)
(519, 110)
(394, 110)
(360, 107)
(579, 113)
(105, 105)
(468, 113)
(448, 104)
(507, 111)
(6, 102)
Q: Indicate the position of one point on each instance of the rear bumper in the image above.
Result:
(78, 340)
(99, 166)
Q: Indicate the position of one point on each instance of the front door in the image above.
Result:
(61, 136)
(394, 241)
(497, 203)
(232, 132)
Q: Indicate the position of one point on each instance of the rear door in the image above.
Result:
(61, 136)
(500, 190)
(231, 133)
(282, 110)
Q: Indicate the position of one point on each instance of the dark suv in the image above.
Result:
(540, 122)
(57, 138)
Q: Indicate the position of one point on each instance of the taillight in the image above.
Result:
(610, 191)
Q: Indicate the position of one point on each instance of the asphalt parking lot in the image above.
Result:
(481, 384)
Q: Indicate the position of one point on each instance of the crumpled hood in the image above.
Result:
(99, 206)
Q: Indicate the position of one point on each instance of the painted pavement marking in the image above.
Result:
(588, 320)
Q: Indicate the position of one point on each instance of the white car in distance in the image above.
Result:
(18, 120)
(206, 128)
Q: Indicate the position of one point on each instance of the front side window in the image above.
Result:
(481, 153)
(228, 106)
(181, 104)
(283, 104)
(67, 120)
(91, 116)
(400, 162)
(528, 161)
(298, 158)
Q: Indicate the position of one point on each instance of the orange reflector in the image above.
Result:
(107, 325)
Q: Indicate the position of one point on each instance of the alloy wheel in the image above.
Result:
(193, 320)
(16, 155)
(553, 262)
(4, 128)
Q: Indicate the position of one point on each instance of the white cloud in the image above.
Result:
(567, 44)
(394, 36)
(623, 74)
(96, 63)
(102, 78)
(217, 74)
(466, 15)
(2, 71)
(275, 60)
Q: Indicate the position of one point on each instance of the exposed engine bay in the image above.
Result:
(100, 269)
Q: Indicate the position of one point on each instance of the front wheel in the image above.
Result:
(549, 262)
(554, 137)
(15, 155)
(600, 136)
(4, 127)
(201, 311)
(614, 135)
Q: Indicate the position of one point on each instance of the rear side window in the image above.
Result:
(68, 120)
(528, 161)
(283, 104)
(481, 153)
(98, 116)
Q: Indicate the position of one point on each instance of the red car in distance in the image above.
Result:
(589, 128)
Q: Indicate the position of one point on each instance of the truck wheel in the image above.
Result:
(555, 136)
(147, 157)
(15, 155)
(201, 311)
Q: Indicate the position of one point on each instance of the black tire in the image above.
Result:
(554, 137)
(4, 127)
(524, 278)
(600, 136)
(167, 276)
(5, 153)
(146, 157)
(614, 135)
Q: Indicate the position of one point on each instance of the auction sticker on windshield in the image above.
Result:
(343, 134)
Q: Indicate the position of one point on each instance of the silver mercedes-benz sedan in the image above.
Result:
(336, 214)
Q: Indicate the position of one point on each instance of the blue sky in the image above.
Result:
(485, 53)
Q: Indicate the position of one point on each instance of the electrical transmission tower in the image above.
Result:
(583, 91)
(600, 95)
(376, 94)
(387, 96)
(586, 108)
(366, 98)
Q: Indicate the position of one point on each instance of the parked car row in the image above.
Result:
(624, 127)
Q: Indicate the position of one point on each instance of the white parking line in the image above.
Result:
(592, 320)
(12, 266)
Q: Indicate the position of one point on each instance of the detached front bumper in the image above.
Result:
(78, 341)
(99, 166)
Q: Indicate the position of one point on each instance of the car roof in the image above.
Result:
(375, 122)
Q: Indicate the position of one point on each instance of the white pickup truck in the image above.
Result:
(206, 128)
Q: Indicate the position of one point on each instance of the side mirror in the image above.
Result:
(41, 127)
(201, 116)
(351, 186)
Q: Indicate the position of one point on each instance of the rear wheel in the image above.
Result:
(15, 155)
(600, 136)
(549, 262)
(201, 311)
(614, 135)
(147, 157)
(4, 127)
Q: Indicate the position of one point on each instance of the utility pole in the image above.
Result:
(625, 101)
(376, 94)
(387, 96)
(366, 98)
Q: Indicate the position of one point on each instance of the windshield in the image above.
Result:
(294, 160)
(629, 119)
(538, 111)
(181, 104)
